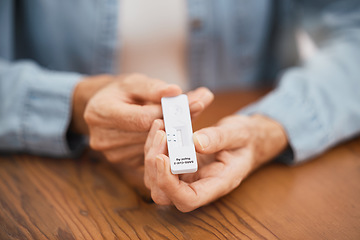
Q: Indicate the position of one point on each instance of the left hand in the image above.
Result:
(230, 151)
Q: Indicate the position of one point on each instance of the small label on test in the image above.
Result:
(179, 133)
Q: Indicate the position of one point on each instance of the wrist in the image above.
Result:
(83, 91)
(271, 139)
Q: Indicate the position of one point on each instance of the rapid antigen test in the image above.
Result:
(179, 134)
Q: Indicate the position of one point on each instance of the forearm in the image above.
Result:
(317, 104)
(35, 109)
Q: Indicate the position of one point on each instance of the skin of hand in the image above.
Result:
(227, 153)
(117, 112)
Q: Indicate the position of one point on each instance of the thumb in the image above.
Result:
(214, 139)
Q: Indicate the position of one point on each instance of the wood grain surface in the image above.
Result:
(86, 198)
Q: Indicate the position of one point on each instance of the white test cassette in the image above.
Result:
(179, 133)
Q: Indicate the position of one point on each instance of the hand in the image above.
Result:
(230, 151)
(120, 115)
(120, 110)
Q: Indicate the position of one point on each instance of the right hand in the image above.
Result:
(120, 114)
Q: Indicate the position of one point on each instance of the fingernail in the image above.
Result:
(196, 106)
(202, 139)
(158, 138)
(160, 163)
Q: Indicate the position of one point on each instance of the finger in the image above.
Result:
(187, 197)
(199, 99)
(158, 124)
(223, 137)
(138, 118)
(124, 153)
(157, 194)
(149, 89)
(103, 139)
(158, 146)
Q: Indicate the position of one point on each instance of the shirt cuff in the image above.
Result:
(47, 113)
(288, 106)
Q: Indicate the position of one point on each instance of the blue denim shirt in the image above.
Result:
(47, 46)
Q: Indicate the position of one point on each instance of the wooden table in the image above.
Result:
(42, 198)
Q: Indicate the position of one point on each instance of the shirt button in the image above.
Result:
(196, 24)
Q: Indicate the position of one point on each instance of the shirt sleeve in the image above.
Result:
(318, 103)
(35, 110)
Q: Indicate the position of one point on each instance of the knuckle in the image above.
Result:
(235, 183)
(144, 122)
(149, 162)
(147, 147)
(94, 143)
(91, 116)
(223, 156)
(88, 116)
(113, 158)
(99, 144)
(158, 199)
(220, 137)
(147, 159)
(129, 79)
(162, 184)
(147, 181)
(185, 207)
